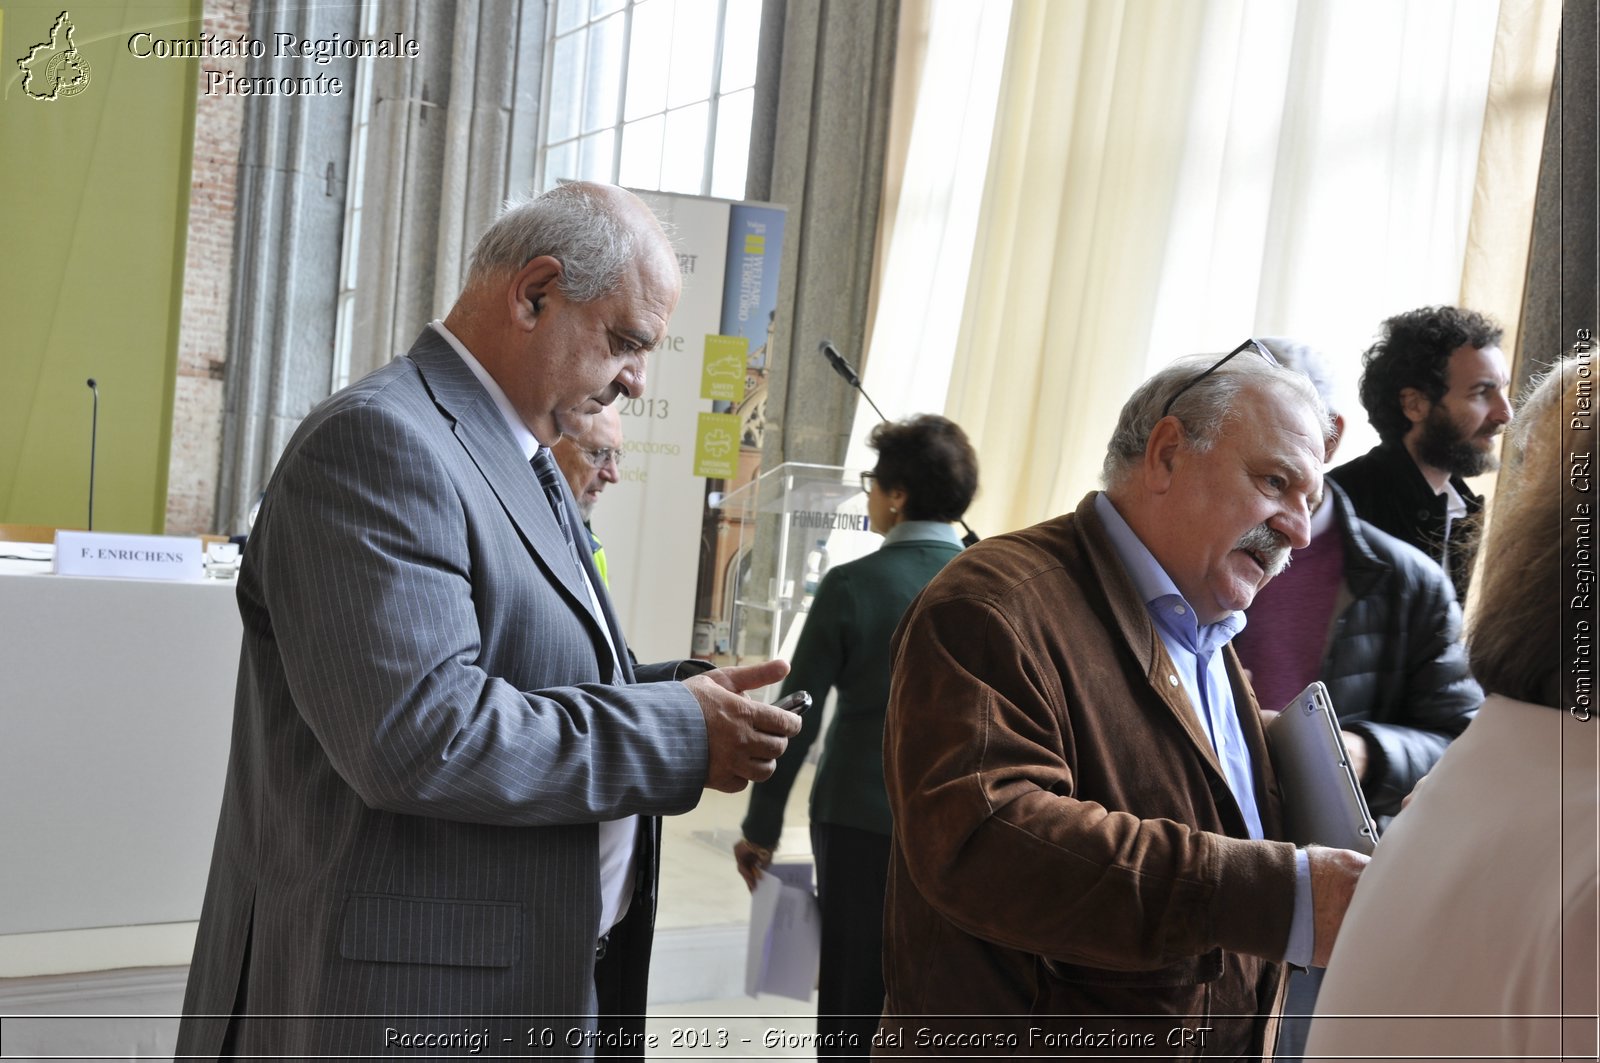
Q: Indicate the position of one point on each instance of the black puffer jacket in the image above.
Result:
(1389, 491)
(1395, 666)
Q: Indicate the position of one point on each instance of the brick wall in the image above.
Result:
(207, 287)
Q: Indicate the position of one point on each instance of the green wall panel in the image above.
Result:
(94, 194)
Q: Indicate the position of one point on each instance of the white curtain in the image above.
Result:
(934, 216)
(1075, 218)
(1329, 174)
(1168, 176)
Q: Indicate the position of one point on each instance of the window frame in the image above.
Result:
(619, 124)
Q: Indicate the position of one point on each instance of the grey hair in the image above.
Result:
(1308, 361)
(1202, 410)
(570, 223)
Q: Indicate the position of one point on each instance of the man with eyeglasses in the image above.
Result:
(1084, 857)
(589, 460)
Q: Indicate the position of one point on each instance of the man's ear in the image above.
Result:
(1161, 454)
(529, 289)
(1332, 442)
(1414, 404)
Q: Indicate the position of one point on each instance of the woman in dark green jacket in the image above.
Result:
(925, 477)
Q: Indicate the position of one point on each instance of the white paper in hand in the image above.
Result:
(785, 934)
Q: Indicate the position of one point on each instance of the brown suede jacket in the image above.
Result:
(1068, 859)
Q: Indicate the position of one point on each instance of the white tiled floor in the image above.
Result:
(696, 1011)
(699, 886)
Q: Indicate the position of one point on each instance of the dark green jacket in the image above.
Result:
(845, 646)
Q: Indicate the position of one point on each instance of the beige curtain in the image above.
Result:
(1508, 162)
(1070, 239)
(1561, 296)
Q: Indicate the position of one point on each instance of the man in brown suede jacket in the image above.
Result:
(1083, 805)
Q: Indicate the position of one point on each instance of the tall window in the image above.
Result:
(651, 94)
(354, 185)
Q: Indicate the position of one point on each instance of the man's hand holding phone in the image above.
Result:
(745, 737)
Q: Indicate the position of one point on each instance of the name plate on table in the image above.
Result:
(129, 556)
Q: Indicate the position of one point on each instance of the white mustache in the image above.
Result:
(1270, 546)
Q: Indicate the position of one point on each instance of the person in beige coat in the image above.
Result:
(1474, 933)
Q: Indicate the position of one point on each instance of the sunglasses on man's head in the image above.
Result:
(1248, 345)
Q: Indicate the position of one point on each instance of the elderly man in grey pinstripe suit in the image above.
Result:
(438, 833)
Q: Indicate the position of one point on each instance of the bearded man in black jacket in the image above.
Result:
(1434, 386)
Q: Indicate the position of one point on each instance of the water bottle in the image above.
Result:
(816, 566)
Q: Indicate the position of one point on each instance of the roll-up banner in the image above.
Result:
(701, 418)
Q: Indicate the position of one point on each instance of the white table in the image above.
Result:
(116, 706)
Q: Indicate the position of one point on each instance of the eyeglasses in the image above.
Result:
(604, 456)
(866, 481)
(1251, 344)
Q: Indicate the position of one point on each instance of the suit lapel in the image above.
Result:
(482, 433)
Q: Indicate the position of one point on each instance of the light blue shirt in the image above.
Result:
(911, 531)
(1196, 654)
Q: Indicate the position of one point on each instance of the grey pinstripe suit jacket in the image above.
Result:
(427, 728)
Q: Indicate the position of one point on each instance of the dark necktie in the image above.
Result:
(544, 466)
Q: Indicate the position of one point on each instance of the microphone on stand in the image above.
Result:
(851, 377)
(844, 369)
(94, 441)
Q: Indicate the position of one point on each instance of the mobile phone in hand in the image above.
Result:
(797, 703)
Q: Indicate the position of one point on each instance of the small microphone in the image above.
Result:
(844, 369)
(94, 442)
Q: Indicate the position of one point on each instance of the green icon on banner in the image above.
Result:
(716, 446)
(722, 371)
